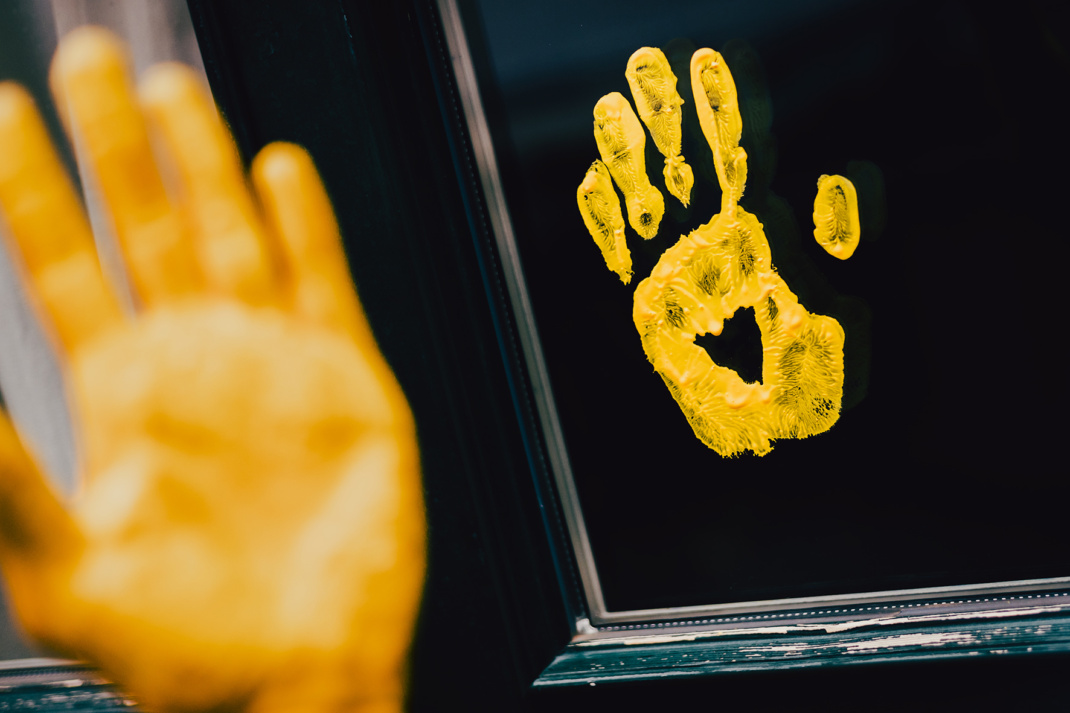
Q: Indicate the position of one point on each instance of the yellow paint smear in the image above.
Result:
(836, 226)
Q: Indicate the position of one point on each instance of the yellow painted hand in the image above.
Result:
(249, 531)
(722, 266)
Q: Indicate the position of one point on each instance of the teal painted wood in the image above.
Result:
(998, 634)
(44, 685)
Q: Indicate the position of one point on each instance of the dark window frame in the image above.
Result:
(918, 628)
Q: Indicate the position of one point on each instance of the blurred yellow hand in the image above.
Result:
(249, 534)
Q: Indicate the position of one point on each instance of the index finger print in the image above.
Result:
(45, 218)
(717, 103)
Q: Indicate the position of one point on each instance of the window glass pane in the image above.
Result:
(944, 466)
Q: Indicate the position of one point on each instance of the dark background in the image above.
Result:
(946, 464)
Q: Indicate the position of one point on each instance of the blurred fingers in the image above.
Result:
(90, 80)
(299, 215)
(46, 221)
(228, 237)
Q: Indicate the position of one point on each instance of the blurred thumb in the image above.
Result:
(39, 541)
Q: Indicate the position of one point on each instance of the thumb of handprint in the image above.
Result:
(723, 266)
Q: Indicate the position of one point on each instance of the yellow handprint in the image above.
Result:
(249, 533)
(721, 267)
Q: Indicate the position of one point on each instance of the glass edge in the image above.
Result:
(845, 604)
(502, 233)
